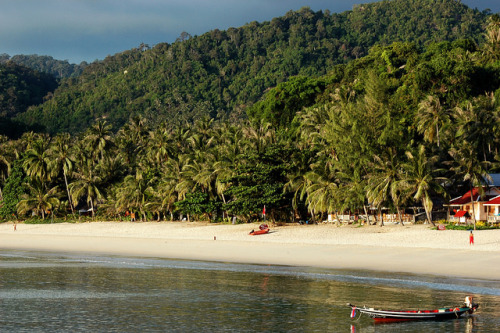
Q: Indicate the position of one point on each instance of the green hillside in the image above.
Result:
(20, 87)
(220, 73)
(45, 64)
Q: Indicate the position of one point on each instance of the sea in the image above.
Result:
(51, 292)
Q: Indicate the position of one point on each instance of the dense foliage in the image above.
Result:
(21, 87)
(45, 64)
(220, 73)
(403, 126)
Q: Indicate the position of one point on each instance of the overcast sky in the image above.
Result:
(78, 30)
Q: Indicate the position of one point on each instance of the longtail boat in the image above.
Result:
(404, 315)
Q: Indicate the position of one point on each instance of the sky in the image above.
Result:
(88, 30)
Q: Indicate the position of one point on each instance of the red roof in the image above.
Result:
(465, 199)
(494, 201)
(460, 213)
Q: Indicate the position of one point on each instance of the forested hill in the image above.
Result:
(20, 87)
(45, 64)
(220, 73)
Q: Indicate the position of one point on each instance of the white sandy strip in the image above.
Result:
(411, 249)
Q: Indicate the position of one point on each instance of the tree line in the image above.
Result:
(403, 126)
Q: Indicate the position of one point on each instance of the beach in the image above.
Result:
(414, 249)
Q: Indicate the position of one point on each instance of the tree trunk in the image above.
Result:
(473, 209)
(92, 207)
(399, 216)
(67, 190)
(428, 212)
(381, 217)
(437, 133)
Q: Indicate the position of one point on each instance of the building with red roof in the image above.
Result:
(480, 204)
(493, 207)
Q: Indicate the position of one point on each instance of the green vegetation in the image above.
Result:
(45, 64)
(403, 125)
(479, 226)
(220, 73)
(20, 87)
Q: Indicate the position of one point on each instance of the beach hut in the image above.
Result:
(473, 202)
(464, 204)
(493, 210)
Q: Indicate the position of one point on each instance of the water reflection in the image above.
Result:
(54, 293)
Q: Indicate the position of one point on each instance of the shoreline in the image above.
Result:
(414, 249)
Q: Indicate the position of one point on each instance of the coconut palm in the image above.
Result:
(260, 135)
(321, 186)
(159, 147)
(133, 193)
(98, 138)
(4, 162)
(37, 159)
(420, 179)
(469, 169)
(88, 184)
(383, 183)
(61, 160)
(478, 123)
(491, 49)
(39, 199)
(431, 118)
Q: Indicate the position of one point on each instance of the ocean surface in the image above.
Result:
(78, 293)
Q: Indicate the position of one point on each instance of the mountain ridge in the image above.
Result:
(220, 73)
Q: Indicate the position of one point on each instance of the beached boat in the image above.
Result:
(263, 229)
(403, 315)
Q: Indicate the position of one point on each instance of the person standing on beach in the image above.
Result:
(471, 238)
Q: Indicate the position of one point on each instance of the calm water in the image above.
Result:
(54, 293)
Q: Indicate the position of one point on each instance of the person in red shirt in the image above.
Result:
(471, 238)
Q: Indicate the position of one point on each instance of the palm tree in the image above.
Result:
(159, 147)
(98, 138)
(62, 160)
(470, 169)
(4, 162)
(39, 200)
(431, 118)
(383, 180)
(478, 123)
(133, 194)
(321, 186)
(37, 161)
(89, 184)
(420, 179)
(167, 188)
(491, 49)
(260, 135)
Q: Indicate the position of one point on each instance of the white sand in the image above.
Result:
(411, 249)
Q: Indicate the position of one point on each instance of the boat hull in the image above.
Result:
(408, 315)
(259, 232)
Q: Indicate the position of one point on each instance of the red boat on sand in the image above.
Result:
(263, 229)
(404, 315)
